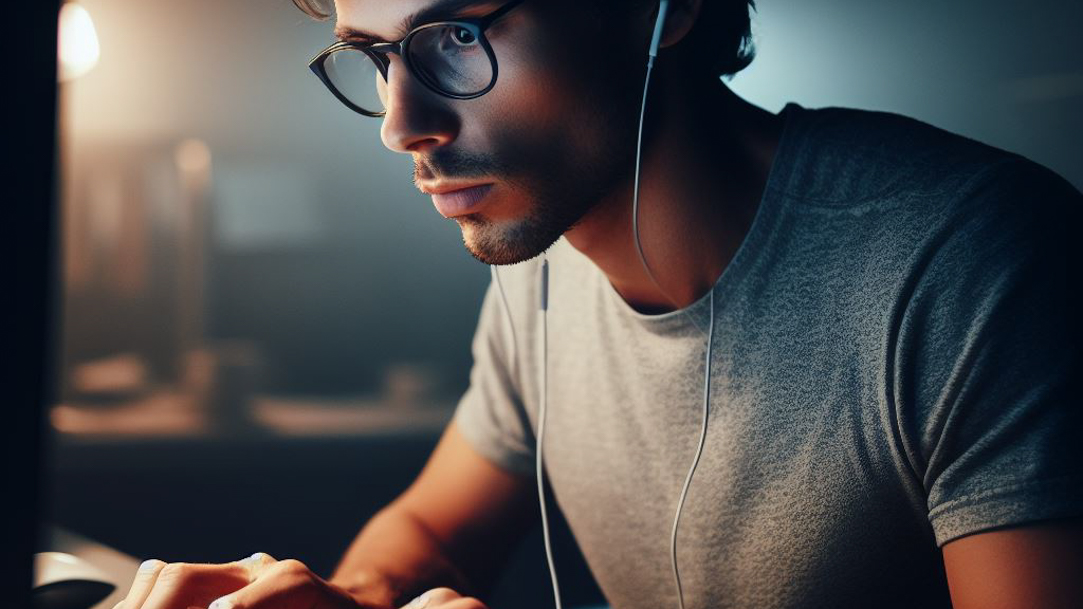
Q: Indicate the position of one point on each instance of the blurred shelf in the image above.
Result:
(168, 415)
(294, 417)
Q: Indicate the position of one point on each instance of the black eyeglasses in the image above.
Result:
(452, 58)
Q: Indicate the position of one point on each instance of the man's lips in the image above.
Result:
(456, 199)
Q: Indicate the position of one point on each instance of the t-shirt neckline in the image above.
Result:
(763, 223)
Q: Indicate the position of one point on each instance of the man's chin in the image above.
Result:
(493, 243)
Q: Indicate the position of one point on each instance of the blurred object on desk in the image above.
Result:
(223, 376)
(161, 413)
(116, 567)
(65, 581)
(114, 395)
(110, 379)
(338, 417)
(413, 385)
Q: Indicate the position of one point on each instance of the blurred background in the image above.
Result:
(265, 327)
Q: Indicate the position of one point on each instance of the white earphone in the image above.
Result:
(543, 285)
(659, 25)
(656, 40)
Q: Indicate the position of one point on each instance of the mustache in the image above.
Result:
(456, 164)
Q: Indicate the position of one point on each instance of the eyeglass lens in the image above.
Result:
(449, 57)
(354, 74)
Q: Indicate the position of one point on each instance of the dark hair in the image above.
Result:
(721, 39)
(722, 36)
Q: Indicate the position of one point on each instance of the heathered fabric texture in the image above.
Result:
(895, 365)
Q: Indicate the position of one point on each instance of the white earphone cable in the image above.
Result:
(695, 461)
(543, 290)
(542, 410)
(511, 324)
(635, 195)
(635, 187)
(709, 332)
(544, 293)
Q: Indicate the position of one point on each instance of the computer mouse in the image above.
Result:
(63, 581)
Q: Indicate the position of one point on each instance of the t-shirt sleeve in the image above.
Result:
(490, 414)
(988, 359)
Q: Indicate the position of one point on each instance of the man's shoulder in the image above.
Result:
(888, 138)
(843, 156)
(922, 206)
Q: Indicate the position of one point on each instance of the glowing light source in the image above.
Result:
(77, 42)
(193, 157)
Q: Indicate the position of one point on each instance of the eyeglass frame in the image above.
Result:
(377, 53)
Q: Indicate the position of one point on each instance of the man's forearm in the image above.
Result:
(393, 559)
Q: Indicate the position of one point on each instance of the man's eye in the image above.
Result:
(464, 36)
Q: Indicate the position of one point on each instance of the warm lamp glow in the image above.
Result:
(193, 157)
(77, 42)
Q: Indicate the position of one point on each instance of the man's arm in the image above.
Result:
(452, 528)
(1036, 565)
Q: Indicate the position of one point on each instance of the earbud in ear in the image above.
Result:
(659, 25)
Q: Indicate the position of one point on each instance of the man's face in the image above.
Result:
(543, 147)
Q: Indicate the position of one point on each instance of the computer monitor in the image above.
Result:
(29, 257)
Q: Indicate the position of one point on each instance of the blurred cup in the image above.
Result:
(409, 385)
(225, 376)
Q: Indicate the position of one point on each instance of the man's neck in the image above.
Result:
(704, 169)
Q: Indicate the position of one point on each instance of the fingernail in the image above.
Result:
(222, 603)
(149, 565)
(252, 560)
(419, 602)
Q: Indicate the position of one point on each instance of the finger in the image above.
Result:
(465, 602)
(142, 584)
(187, 584)
(256, 564)
(431, 598)
(285, 583)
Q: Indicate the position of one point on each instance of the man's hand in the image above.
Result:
(257, 582)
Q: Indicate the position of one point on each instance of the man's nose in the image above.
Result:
(416, 119)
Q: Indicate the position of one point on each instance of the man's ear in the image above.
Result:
(681, 17)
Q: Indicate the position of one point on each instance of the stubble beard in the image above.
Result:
(556, 205)
(512, 241)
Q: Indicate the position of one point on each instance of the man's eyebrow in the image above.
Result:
(437, 11)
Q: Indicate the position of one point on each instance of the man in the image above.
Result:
(892, 345)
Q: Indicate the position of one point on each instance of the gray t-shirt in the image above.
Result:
(895, 365)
